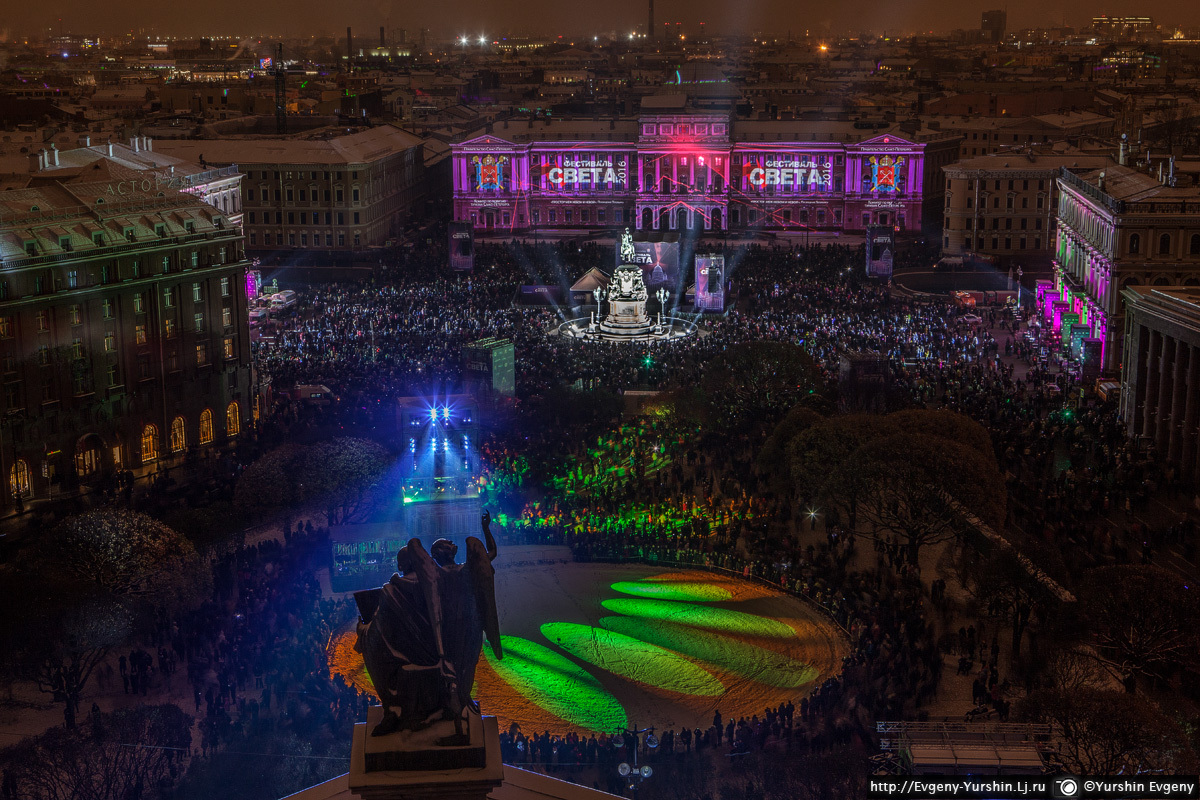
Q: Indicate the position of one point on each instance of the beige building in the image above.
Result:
(319, 191)
(1003, 206)
(124, 339)
(1160, 376)
(1120, 227)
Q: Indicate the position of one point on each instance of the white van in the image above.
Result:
(259, 315)
(282, 301)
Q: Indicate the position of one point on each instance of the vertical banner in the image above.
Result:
(462, 246)
(881, 249)
(710, 283)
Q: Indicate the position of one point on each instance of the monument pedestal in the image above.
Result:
(410, 765)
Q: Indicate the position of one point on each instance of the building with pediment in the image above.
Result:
(700, 171)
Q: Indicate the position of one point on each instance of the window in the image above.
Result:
(1194, 245)
(74, 314)
(226, 317)
(43, 355)
(197, 294)
(206, 429)
(224, 287)
(195, 258)
(43, 321)
(114, 375)
(110, 342)
(169, 297)
(201, 354)
(233, 420)
(73, 279)
(149, 444)
(169, 328)
(178, 435)
(166, 264)
(139, 303)
(18, 479)
(139, 333)
(12, 396)
(354, 195)
(1164, 244)
(137, 269)
(77, 348)
(229, 349)
(106, 309)
(356, 219)
(1135, 244)
(6, 327)
(198, 319)
(160, 231)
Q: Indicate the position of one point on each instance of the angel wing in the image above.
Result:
(483, 585)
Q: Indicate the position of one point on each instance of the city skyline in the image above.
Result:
(543, 18)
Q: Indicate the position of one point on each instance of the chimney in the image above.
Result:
(1124, 152)
(382, 38)
(133, 144)
(54, 155)
(146, 143)
(85, 141)
(1100, 181)
(37, 161)
(1170, 172)
(109, 148)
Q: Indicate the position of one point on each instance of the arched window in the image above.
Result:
(178, 435)
(716, 219)
(647, 219)
(149, 444)
(233, 420)
(1164, 244)
(1135, 244)
(18, 478)
(87, 455)
(206, 432)
(1160, 281)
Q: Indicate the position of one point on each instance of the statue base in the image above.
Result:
(409, 765)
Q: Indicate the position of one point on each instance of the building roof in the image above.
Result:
(1132, 186)
(998, 162)
(361, 147)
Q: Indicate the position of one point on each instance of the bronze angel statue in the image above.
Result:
(421, 634)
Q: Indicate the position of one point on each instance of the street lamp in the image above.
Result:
(597, 293)
(631, 772)
(661, 295)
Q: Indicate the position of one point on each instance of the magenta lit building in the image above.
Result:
(699, 171)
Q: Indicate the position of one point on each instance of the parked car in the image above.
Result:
(971, 319)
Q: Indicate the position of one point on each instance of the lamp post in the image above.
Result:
(597, 293)
(661, 295)
(1020, 272)
(631, 772)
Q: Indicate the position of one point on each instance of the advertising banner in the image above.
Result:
(710, 283)
(881, 246)
(658, 256)
(462, 246)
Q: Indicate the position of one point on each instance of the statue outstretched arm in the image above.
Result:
(486, 524)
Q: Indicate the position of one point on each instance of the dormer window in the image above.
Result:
(160, 231)
(30, 247)
(98, 238)
(64, 243)
(189, 226)
(219, 223)
(129, 235)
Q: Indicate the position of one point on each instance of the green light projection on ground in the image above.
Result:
(633, 659)
(557, 684)
(723, 652)
(680, 590)
(715, 619)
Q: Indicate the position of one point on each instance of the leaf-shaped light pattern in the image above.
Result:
(686, 591)
(726, 653)
(557, 684)
(633, 659)
(715, 619)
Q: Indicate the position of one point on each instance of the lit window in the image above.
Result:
(226, 317)
(75, 315)
(149, 444)
(233, 420)
(18, 478)
(178, 435)
(139, 333)
(201, 354)
(229, 349)
(206, 428)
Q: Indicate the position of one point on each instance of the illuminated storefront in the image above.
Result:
(689, 171)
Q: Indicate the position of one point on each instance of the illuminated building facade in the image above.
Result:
(1118, 227)
(695, 171)
(124, 338)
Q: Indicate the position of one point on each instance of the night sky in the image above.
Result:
(493, 17)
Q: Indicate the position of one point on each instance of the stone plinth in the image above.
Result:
(627, 318)
(411, 766)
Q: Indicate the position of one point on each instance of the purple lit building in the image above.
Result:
(700, 171)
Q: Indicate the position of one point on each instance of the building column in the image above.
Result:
(1178, 398)
(1166, 374)
(1187, 461)
(1153, 351)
